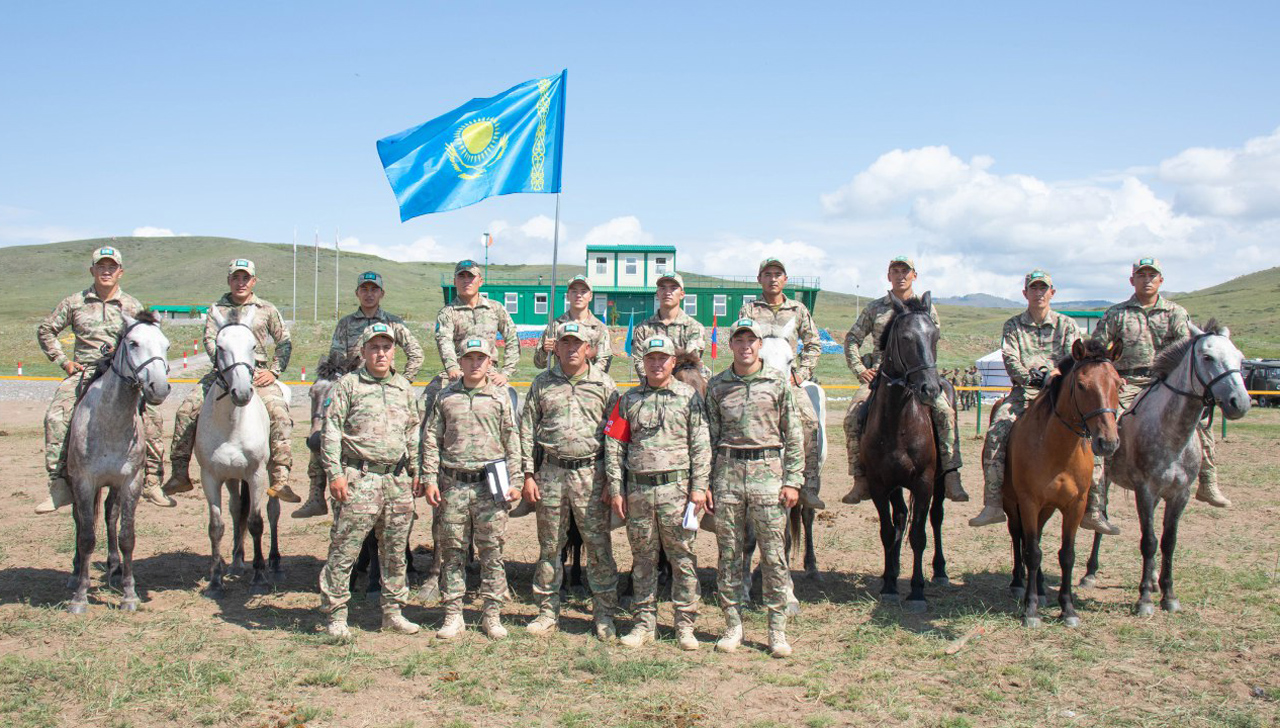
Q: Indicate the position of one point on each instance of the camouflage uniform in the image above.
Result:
(96, 324)
(457, 322)
(371, 438)
(669, 440)
(871, 322)
(689, 337)
(597, 336)
(267, 325)
(1025, 345)
(565, 418)
(465, 429)
(755, 435)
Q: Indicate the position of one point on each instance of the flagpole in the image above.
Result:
(555, 254)
(294, 311)
(315, 283)
(337, 267)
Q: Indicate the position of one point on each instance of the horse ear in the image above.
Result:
(1225, 332)
(927, 300)
(1115, 350)
(790, 329)
(898, 306)
(250, 312)
(216, 316)
(1195, 330)
(128, 320)
(1077, 350)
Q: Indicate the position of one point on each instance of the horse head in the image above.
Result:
(234, 357)
(689, 370)
(141, 356)
(776, 350)
(910, 346)
(328, 372)
(1092, 396)
(1217, 363)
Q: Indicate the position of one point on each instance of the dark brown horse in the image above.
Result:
(1049, 467)
(899, 451)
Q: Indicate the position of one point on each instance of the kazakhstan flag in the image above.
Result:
(512, 142)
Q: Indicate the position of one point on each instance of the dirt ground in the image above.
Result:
(186, 660)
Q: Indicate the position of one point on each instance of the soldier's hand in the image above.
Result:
(433, 495)
(454, 374)
(263, 377)
(498, 378)
(513, 493)
(338, 488)
(619, 505)
(548, 344)
(418, 490)
(72, 367)
(530, 492)
(789, 496)
(710, 505)
(867, 375)
(699, 499)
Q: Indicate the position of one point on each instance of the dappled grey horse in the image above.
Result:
(105, 450)
(1159, 455)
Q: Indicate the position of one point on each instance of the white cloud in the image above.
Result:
(1241, 182)
(21, 226)
(422, 249)
(146, 231)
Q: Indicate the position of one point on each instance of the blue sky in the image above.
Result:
(984, 139)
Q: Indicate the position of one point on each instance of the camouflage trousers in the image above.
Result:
(812, 441)
(468, 512)
(746, 491)
(576, 494)
(993, 449)
(943, 426)
(280, 460)
(379, 503)
(654, 520)
(57, 420)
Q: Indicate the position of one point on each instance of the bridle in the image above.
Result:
(1206, 396)
(893, 357)
(121, 354)
(220, 373)
(1082, 429)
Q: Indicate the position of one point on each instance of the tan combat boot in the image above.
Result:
(606, 630)
(778, 646)
(337, 627)
(990, 515)
(1209, 493)
(861, 489)
(954, 490)
(284, 493)
(452, 627)
(315, 505)
(639, 635)
(687, 639)
(544, 624)
(1096, 521)
(394, 621)
(492, 624)
(59, 496)
(155, 495)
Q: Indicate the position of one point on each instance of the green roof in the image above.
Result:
(637, 248)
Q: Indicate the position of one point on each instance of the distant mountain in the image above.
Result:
(979, 300)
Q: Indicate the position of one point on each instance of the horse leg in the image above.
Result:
(1172, 514)
(273, 515)
(1031, 555)
(111, 515)
(127, 539)
(1017, 587)
(217, 526)
(1090, 577)
(375, 563)
(408, 546)
(748, 553)
(1067, 562)
(430, 591)
(256, 496)
(935, 519)
(790, 533)
(238, 502)
(890, 535)
(1146, 517)
(86, 516)
(919, 541)
(810, 553)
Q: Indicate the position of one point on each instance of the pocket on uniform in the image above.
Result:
(402, 507)
(367, 508)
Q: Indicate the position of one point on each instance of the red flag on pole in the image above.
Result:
(617, 426)
(714, 331)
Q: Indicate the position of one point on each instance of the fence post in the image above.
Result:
(979, 424)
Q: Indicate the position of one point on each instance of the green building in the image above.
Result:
(624, 280)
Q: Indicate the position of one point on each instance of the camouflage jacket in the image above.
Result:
(686, 333)
(871, 323)
(467, 428)
(1145, 333)
(93, 321)
(370, 419)
(755, 411)
(457, 322)
(668, 432)
(346, 338)
(268, 325)
(1027, 345)
(805, 333)
(591, 327)
(566, 418)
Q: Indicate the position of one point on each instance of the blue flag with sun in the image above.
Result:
(512, 142)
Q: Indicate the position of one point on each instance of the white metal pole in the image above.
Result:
(555, 252)
(337, 267)
(315, 284)
(294, 310)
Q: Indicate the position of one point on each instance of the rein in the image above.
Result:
(220, 373)
(892, 357)
(120, 353)
(1083, 431)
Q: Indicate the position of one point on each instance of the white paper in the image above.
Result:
(499, 481)
(691, 517)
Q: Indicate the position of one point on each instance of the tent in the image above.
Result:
(991, 369)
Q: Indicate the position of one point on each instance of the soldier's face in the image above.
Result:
(106, 272)
(241, 284)
(745, 346)
(572, 352)
(475, 366)
(579, 296)
(658, 367)
(1146, 281)
(772, 280)
(670, 294)
(1038, 294)
(379, 355)
(467, 283)
(901, 277)
(369, 294)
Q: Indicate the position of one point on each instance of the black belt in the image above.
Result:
(1135, 372)
(754, 453)
(573, 464)
(671, 476)
(463, 476)
(365, 466)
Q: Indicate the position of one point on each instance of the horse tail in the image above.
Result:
(795, 534)
(244, 500)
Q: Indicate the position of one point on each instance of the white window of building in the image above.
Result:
(512, 303)
(539, 303)
(633, 266)
(484, 294)
(721, 305)
(748, 298)
(601, 303)
(660, 265)
(691, 304)
(602, 265)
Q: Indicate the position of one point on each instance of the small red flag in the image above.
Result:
(617, 426)
(714, 321)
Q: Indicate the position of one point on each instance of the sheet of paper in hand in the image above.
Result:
(499, 482)
(690, 517)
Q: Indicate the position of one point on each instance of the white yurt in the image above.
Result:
(991, 369)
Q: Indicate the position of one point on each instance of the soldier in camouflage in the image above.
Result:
(267, 324)
(96, 317)
(369, 455)
(773, 312)
(1147, 324)
(579, 296)
(1032, 344)
(561, 433)
(671, 323)
(758, 464)
(657, 460)
(871, 322)
(470, 424)
(346, 343)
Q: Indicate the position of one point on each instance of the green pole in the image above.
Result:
(979, 424)
(1224, 428)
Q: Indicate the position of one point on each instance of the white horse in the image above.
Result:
(232, 449)
(105, 447)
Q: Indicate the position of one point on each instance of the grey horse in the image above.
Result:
(105, 450)
(1159, 454)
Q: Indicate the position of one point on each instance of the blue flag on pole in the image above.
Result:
(512, 142)
(631, 327)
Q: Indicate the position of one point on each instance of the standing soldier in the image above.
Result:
(470, 425)
(772, 312)
(370, 458)
(561, 433)
(757, 448)
(267, 325)
(974, 381)
(671, 323)
(96, 317)
(657, 459)
(347, 336)
(1147, 324)
(579, 295)
(1033, 343)
(872, 322)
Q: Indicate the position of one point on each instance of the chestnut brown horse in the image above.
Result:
(1049, 467)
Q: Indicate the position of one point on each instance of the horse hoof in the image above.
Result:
(890, 598)
(814, 575)
(1018, 593)
(1146, 609)
(258, 590)
(77, 607)
(1088, 582)
(1072, 622)
(129, 605)
(215, 592)
(1170, 605)
(1043, 600)
(941, 581)
(917, 606)
(73, 582)
(235, 570)
(1031, 622)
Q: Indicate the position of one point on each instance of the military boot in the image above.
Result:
(1209, 493)
(809, 497)
(154, 494)
(861, 488)
(452, 627)
(492, 624)
(954, 490)
(778, 646)
(989, 515)
(394, 621)
(1095, 516)
(59, 496)
(179, 480)
(544, 624)
(284, 493)
(315, 505)
(731, 640)
(337, 627)
(639, 635)
(606, 630)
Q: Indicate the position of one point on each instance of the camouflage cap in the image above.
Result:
(481, 345)
(746, 324)
(579, 279)
(659, 344)
(1038, 275)
(570, 328)
(107, 252)
(671, 277)
(243, 264)
(370, 277)
(1152, 263)
(468, 266)
(904, 259)
(771, 261)
(374, 331)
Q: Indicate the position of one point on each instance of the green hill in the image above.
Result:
(1249, 305)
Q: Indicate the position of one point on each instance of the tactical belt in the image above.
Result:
(754, 453)
(365, 466)
(650, 479)
(463, 476)
(573, 464)
(1135, 372)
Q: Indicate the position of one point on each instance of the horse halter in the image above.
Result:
(1205, 396)
(220, 373)
(120, 353)
(1083, 431)
(892, 356)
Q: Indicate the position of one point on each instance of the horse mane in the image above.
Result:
(335, 364)
(913, 305)
(1093, 351)
(1168, 359)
